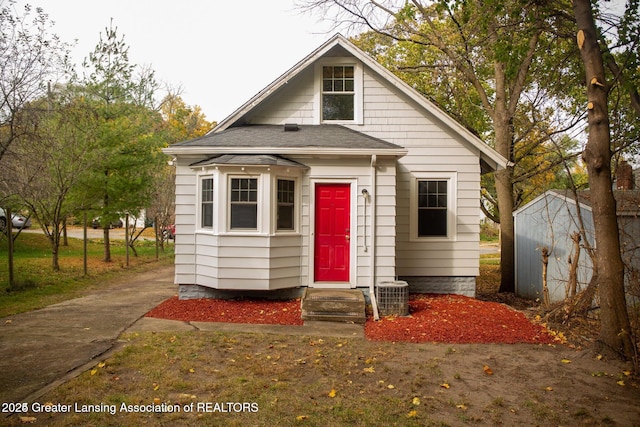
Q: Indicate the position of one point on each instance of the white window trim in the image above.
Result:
(296, 204)
(358, 88)
(201, 177)
(260, 201)
(452, 191)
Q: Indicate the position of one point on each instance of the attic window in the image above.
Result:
(338, 92)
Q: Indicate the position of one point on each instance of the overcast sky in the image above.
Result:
(220, 52)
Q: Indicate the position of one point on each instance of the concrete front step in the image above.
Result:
(334, 305)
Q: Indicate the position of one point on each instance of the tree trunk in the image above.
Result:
(107, 244)
(504, 182)
(504, 188)
(615, 331)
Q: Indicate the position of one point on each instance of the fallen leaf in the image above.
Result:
(332, 393)
(101, 365)
(445, 385)
(627, 373)
(28, 420)
(156, 387)
(391, 386)
(621, 383)
(599, 357)
(566, 361)
(416, 401)
(156, 400)
(301, 417)
(370, 370)
(94, 371)
(412, 414)
(192, 371)
(463, 407)
(549, 389)
(7, 322)
(487, 370)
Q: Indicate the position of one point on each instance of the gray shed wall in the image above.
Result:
(548, 221)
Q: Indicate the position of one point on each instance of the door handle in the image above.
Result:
(346, 236)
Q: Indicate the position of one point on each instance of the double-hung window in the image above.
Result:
(338, 92)
(244, 203)
(206, 213)
(286, 205)
(432, 207)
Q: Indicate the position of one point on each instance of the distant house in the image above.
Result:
(549, 220)
(336, 175)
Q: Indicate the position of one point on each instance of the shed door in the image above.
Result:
(332, 233)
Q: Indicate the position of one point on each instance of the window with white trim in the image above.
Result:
(243, 204)
(432, 207)
(206, 202)
(286, 205)
(338, 92)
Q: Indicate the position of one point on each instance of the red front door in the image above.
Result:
(332, 233)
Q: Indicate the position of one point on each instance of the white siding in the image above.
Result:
(393, 118)
(294, 104)
(271, 261)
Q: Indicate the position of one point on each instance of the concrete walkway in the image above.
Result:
(41, 346)
(44, 348)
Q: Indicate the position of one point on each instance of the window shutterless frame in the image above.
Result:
(243, 203)
(285, 204)
(338, 97)
(206, 202)
(433, 206)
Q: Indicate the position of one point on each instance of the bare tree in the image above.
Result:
(31, 58)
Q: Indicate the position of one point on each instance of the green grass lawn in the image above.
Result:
(37, 285)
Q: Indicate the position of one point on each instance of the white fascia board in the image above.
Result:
(299, 151)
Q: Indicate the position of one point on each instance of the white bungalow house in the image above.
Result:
(336, 175)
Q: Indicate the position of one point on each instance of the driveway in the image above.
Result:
(40, 347)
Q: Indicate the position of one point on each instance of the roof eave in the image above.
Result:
(301, 151)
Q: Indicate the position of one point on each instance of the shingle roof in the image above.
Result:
(273, 136)
(249, 159)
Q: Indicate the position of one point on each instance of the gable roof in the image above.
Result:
(274, 139)
(488, 155)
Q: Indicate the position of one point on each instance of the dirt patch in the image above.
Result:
(322, 381)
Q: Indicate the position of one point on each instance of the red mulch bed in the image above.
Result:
(433, 318)
(257, 311)
(457, 319)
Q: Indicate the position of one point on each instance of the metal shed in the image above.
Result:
(549, 220)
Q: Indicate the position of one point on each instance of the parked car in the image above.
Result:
(169, 232)
(3, 219)
(20, 221)
(97, 223)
